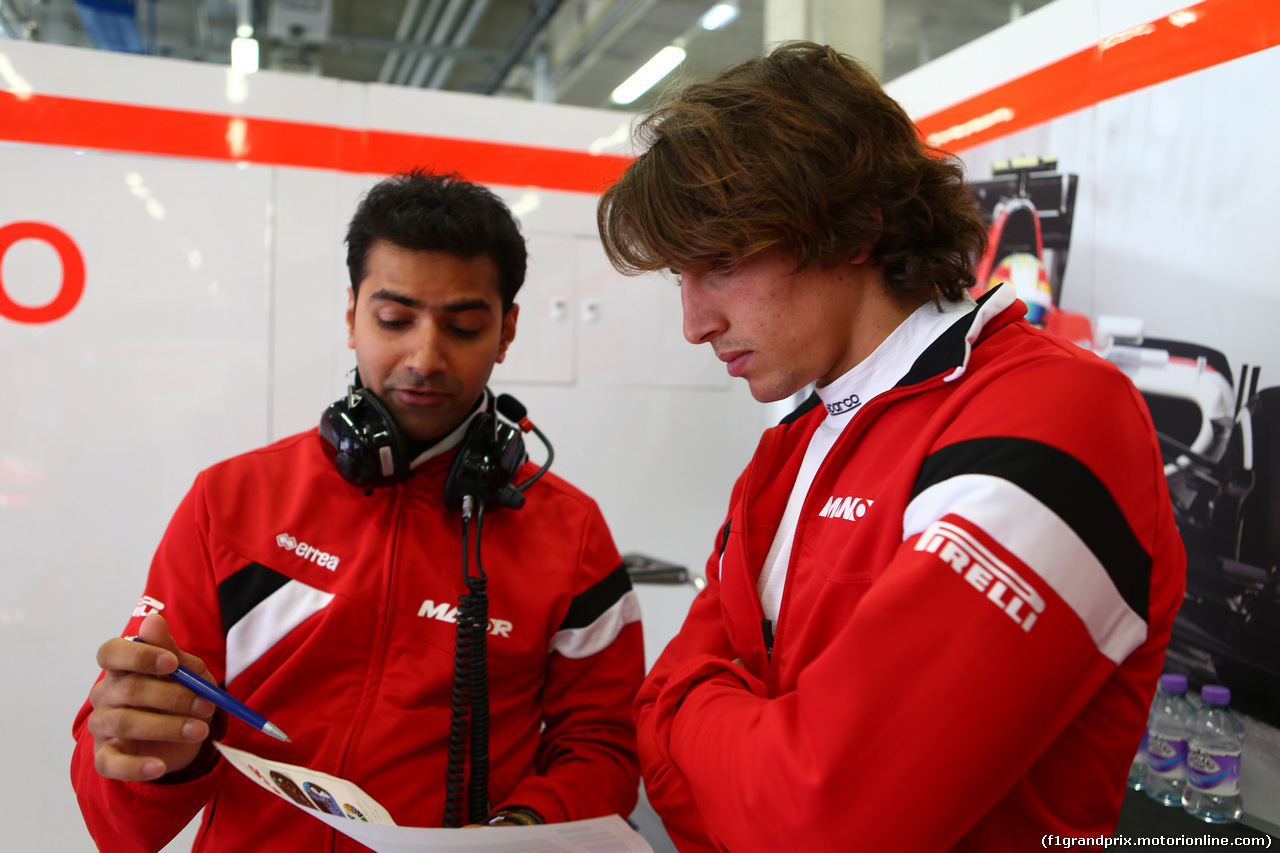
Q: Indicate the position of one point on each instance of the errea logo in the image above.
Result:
(308, 552)
(848, 508)
(984, 571)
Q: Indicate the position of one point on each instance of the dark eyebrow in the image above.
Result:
(467, 305)
(416, 304)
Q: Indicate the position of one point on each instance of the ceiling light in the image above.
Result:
(244, 55)
(718, 16)
(649, 74)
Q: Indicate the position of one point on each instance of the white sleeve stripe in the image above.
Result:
(1043, 542)
(588, 640)
(269, 622)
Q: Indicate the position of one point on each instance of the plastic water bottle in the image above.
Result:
(1168, 730)
(1213, 761)
(1138, 769)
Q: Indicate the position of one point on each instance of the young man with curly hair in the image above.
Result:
(939, 603)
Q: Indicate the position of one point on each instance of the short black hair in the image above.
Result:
(424, 211)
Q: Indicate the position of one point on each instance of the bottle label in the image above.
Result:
(1214, 773)
(1167, 758)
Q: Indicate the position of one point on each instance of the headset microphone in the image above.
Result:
(513, 410)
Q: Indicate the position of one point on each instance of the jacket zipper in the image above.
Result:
(380, 642)
(767, 627)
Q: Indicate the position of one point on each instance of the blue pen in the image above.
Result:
(223, 700)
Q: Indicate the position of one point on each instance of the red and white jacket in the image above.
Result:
(329, 612)
(982, 584)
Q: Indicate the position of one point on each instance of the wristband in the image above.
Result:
(515, 816)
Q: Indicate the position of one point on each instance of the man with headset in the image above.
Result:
(938, 607)
(329, 601)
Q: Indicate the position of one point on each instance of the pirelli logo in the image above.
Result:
(984, 571)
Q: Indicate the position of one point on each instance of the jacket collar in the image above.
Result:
(453, 439)
(949, 353)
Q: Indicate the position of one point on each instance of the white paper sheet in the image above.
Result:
(352, 812)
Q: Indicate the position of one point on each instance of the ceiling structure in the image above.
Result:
(566, 51)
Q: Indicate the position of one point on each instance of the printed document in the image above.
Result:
(352, 812)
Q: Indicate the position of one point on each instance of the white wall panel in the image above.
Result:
(127, 78)
(631, 330)
(660, 462)
(109, 413)
(432, 112)
(309, 354)
(544, 349)
(1186, 212)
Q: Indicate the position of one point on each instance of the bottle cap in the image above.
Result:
(1215, 694)
(1173, 682)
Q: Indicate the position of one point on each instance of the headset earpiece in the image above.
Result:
(365, 443)
(363, 440)
(486, 462)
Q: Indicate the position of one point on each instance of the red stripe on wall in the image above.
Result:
(1197, 37)
(1189, 40)
(73, 122)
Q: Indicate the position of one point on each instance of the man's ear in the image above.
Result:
(351, 318)
(508, 331)
(865, 251)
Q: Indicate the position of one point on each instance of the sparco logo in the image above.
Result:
(308, 552)
(850, 508)
(446, 612)
(984, 571)
(845, 406)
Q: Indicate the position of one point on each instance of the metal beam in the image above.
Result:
(444, 26)
(540, 18)
(426, 24)
(402, 31)
(411, 48)
(220, 39)
(460, 38)
(621, 18)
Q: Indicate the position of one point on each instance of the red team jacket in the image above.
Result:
(330, 613)
(983, 582)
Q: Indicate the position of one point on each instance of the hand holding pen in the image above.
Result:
(144, 723)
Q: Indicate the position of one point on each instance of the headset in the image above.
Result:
(363, 440)
(369, 449)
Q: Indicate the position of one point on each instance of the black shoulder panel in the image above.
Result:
(590, 604)
(245, 590)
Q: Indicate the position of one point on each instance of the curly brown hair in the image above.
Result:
(802, 150)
